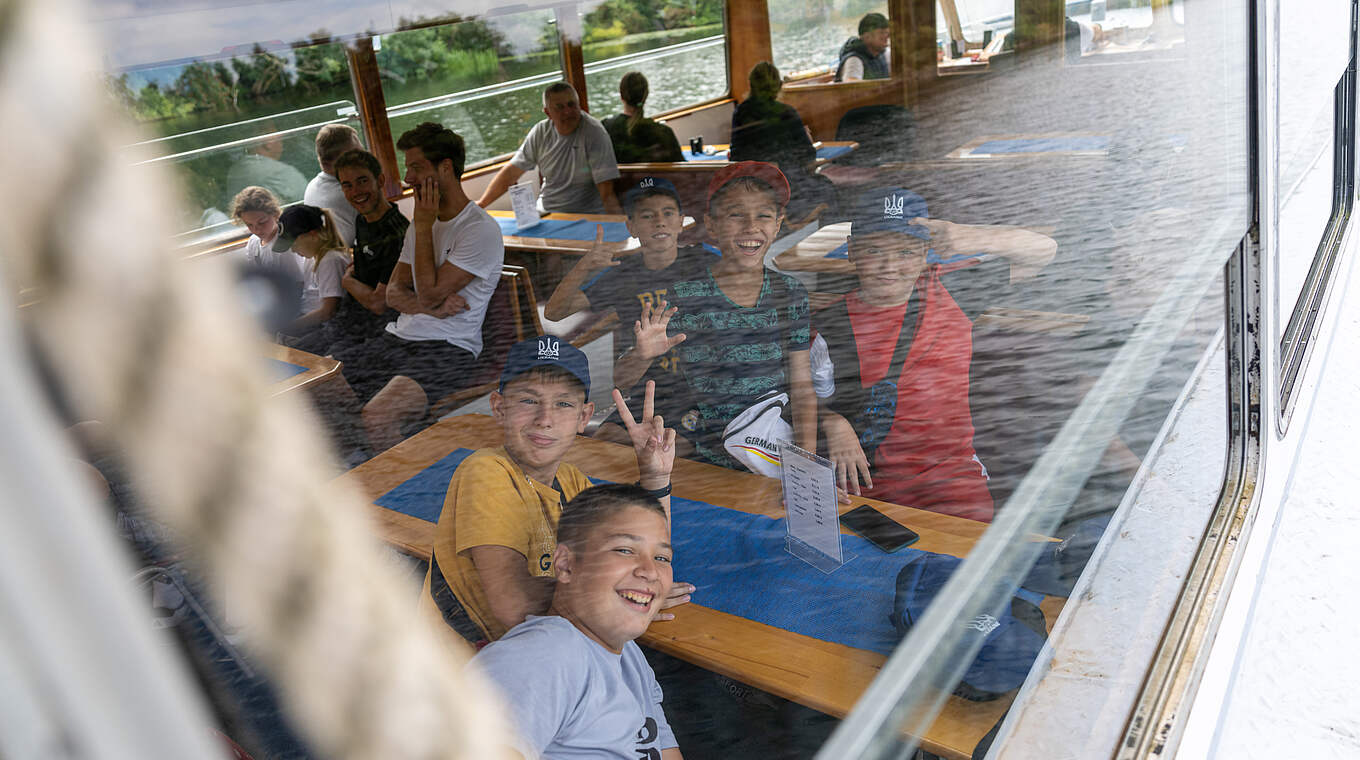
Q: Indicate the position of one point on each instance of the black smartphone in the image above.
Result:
(882, 531)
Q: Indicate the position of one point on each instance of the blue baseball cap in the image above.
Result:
(646, 187)
(546, 351)
(1008, 642)
(889, 210)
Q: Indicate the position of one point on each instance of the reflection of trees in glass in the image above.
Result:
(209, 93)
(461, 55)
(614, 19)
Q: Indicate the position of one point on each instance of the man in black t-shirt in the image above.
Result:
(379, 230)
(601, 281)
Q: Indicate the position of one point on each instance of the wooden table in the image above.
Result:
(827, 152)
(819, 674)
(1033, 145)
(809, 254)
(315, 370)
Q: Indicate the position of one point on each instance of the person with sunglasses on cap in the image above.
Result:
(492, 563)
(898, 424)
(311, 233)
(604, 280)
(866, 56)
(745, 326)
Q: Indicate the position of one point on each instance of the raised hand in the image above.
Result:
(649, 332)
(601, 255)
(653, 442)
(427, 202)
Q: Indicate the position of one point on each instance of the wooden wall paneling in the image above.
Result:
(823, 105)
(914, 61)
(372, 105)
(570, 33)
(748, 42)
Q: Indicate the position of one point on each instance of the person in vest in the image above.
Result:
(866, 56)
(897, 421)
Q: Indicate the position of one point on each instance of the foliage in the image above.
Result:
(603, 33)
(458, 55)
(320, 68)
(641, 16)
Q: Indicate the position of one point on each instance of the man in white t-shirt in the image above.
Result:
(574, 156)
(324, 190)
(449, 266)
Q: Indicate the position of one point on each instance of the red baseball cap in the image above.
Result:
(767, 173)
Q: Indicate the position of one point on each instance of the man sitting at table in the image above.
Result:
(573, 154)
(866, 56)
(575, 682)
(604, 283)
(492, 563)
(449, 266)
(901, 346)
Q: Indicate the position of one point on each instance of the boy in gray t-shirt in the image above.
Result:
(575, 683)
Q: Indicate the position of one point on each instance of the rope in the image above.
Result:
(155, 349)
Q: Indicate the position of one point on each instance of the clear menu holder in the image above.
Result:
(810, 504)
(525, 206)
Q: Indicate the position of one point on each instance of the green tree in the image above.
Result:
(321, 68)
(261, 74)
(207, 86)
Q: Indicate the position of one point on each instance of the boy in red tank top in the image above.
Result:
(898, 425)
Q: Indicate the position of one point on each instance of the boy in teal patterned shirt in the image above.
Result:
(745, 328)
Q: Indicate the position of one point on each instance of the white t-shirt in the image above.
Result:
(324, 191)
(323, 281)
(261, 254)
(472, 242)
(571, 165)
(569, 697)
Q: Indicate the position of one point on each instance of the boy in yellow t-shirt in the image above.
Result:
(493, 548)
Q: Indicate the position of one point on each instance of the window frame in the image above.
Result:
(1298, 338)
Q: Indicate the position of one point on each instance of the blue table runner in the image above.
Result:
(1042, 145)
(843, 252)
(565, 229)
(738, 564)
(826, 152)
(281, 370)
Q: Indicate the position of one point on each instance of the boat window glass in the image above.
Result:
(246, 117)
(482, 78)
(969, 32)
(1139, 175)
(1096, 29)
(678, 46)
(806, 38)
(1313, 194)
